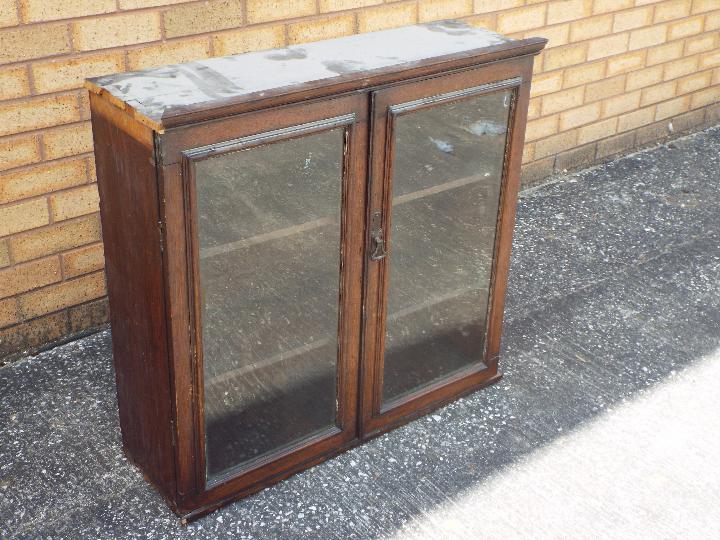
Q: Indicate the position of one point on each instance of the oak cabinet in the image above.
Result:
(305, 247)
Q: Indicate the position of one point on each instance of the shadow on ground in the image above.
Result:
(615, 286)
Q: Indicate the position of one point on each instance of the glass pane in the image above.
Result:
(269, 233)
(446, 189)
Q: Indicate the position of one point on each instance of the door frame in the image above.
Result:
(177, 185)
(387, 105)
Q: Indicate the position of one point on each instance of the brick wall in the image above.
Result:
(616, 74)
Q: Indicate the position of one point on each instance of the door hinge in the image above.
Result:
(160, 230)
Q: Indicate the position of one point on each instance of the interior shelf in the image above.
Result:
(308, 226)
(281, 286)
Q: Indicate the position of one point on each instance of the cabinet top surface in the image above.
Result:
(154, 94)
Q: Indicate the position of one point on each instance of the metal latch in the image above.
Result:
(377, 237)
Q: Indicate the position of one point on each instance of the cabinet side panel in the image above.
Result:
(127, 183)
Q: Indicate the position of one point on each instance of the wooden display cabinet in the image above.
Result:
(305, 247)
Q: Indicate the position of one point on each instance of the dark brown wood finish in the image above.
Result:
(133, 265)
(184, 397)
(506, 219)
(147, 187)
(242, 132)
(427, 93)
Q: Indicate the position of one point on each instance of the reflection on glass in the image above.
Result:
(446, 190)
(269, 237)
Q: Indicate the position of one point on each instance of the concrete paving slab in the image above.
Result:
(605, 425)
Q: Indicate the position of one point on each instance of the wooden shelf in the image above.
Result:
(213, 251)
(304, 349)
(305, 314)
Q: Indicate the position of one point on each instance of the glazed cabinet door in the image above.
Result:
(275, 217)
(443, 189)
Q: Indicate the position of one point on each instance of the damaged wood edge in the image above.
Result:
(122, 108)
(122, 120)
(173, 117)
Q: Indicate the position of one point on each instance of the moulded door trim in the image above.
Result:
(180, 180)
